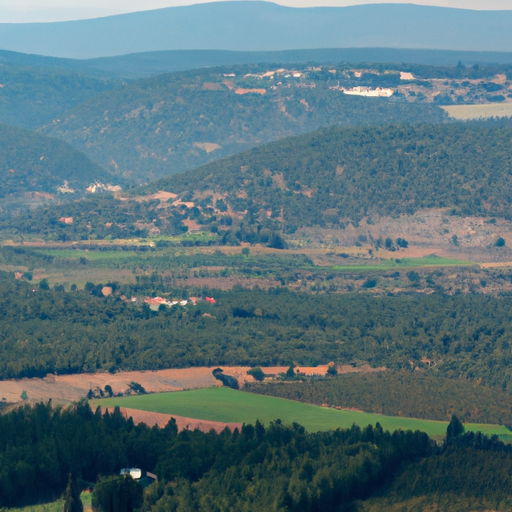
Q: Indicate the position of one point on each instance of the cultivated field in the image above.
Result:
(464, 112)
(229, 406)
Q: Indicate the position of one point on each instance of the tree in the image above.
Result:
(500, 242)
(290, 373)
(454, 429)
(72, 501)
(257, 373)
(332, 371)
(117, 494)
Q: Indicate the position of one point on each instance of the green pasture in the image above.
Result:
(230, 406)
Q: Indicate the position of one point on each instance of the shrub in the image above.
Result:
(257, 373)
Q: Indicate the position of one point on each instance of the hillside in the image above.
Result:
(337, 176)
(35, 166)
(333, 178)
(32, 95)
(173, 122)
(260, 26)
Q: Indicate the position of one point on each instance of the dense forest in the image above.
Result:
(413, 394)
(272, 467)
(177, 121)
(30, 162)
(46, 331)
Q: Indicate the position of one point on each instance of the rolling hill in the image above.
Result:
(336, 176)
(33, 165)
(264, 26)
(332, 178)
(33, 95)
(145, 64)
(173, 122)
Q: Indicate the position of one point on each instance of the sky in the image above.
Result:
(27, 11)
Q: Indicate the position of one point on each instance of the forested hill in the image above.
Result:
(173, 122)
(30, 162)
(338, 175)
(32, 95)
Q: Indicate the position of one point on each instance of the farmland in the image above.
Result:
(466, 112)
(226, 405)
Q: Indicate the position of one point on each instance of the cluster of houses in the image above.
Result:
(155, 302)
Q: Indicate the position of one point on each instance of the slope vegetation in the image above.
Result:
(173, 122)
(33, 163)
(32, 95)
(336, 175)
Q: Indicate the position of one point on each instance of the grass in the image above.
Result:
(479, 111)
(55, 506)
(227, 405)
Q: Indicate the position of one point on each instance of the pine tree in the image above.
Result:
(454, 428)
(72, 501)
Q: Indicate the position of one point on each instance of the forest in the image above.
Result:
(53, 331)
(271, 467)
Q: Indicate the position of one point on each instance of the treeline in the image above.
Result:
(53, 331)
(272, 467)
(416, 395)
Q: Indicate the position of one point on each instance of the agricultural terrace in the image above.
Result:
(230, 406)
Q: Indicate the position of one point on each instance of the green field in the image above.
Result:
(56, 506)
(464, 112)
(404, 263)
(227, 405)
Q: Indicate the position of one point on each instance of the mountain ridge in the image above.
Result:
(256, 25)
(146, 64)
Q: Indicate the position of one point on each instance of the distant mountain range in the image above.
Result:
(264, 26)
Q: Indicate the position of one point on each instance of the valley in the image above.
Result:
(273, 279)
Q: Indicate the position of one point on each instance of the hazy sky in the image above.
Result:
(18, 11)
